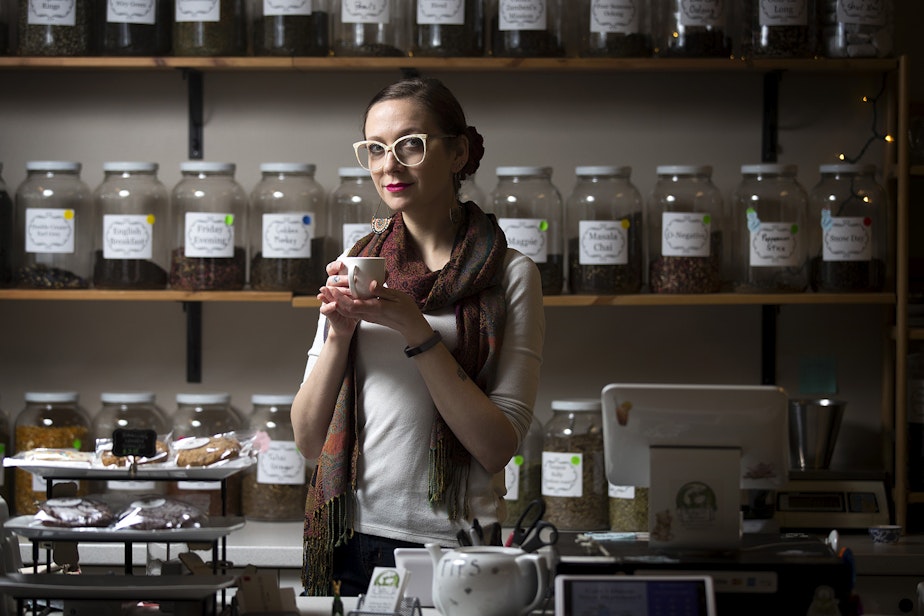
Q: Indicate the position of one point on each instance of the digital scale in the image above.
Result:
(828, 500)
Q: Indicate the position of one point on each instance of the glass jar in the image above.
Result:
(52, 420)
(614, 29)
(54, 227)
(847, 225)
(275, 489)
(6, 234)
(54, 28)
(291, 28)
(371, 27)
(470, 191)
(915, 420)
(527, 28)
(210, 234)
(686, 231)
(692, 28)
(523, 474)
(779, 28)
(289, 232)
(604, 231)
(352, 205)
(529, 210)
(769, 217)
(628, 509)
(858, 29)
(4, 29)
(205, 415)
(209, 28)
(131, 248)
(137, 28)
(453, 29)
(574, 485)
(6, 449)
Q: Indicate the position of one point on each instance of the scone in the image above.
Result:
(203, 451)
(75, 512)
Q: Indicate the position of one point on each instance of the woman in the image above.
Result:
(415, 400)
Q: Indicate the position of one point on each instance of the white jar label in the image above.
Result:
(50, 230)
(281, 463)
(198, 10)
(353, 231)
(685, 234)
(614, 16)
(365, 11)
(132, 486)
(131, 12)
(562, 474)
(846, 238)
(528, 235)
(198, 485)
(623, 492)
(288, 236)
(522, 15)
(702, 13)
(286, 7)
(57, 13)
(783, 13)
(128, 236)
(775, 244)
(512, 478)
(603, 242)
(445, 12)
(209, 234)
(865, 13)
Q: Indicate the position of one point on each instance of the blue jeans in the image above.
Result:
(354, 562)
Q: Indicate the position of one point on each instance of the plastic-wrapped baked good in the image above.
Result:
(75, 513)
(204, 451)
(107, 458)
(156, 512)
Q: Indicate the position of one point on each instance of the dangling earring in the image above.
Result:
(380, 225)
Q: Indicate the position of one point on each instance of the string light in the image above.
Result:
(876, 135)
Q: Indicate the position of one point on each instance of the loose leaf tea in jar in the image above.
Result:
(209, 28)
(370, 27)
(692, 28)
(351, 207)
(528, 28)
(136, 28)
(779, 28)
(614, 29)
(60, 28)
(291, 28)
(858, 29)
(451, 29)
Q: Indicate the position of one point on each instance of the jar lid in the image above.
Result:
(216, 398)
(578, 404)
(624, 170)
(51, 396)
(769, 168)
(53, 165)
(287, 168)
(352, 172)
(512, 171)
(138, 397)
(198, 166)
(273, 399)
(684, 170)
(130, 166)
(846, 168)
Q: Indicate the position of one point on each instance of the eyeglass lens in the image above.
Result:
(409, 151)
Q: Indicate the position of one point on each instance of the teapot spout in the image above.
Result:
(436, 552)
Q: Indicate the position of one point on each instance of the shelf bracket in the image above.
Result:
(769, 150)
(193, 310)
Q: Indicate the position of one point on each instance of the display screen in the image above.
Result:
(633, 596)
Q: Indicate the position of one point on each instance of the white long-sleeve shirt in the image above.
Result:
(396, 414)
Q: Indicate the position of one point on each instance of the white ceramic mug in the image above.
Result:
(361, 271)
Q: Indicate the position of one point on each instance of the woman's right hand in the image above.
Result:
(334, 297)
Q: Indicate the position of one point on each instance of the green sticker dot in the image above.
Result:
(707, 219)
(575, 460)
(544, 225)
(750, 210)
(794, 229)
(518, 460)
(77, 443)
(229, 219)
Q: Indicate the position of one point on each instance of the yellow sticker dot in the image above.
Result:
(150, 219)
(625, 223)
(68, 214)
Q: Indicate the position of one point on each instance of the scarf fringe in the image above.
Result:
(447, 472)
(328, 527)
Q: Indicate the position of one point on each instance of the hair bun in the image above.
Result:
(475, 151)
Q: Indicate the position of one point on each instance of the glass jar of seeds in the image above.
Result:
(131, 239)
(523, 474)
(574, 485)
(6, 234)
(371, 27)
(137, 28)
(53, 227)
(300, 28)
(204, 415)
(614, 29)
(686, 231)
(453, 29)
(209, 28)
(53, 420)
(289, 232)
(527, 28)
(779, 28)
(529, 210)
(857, 29)
(210, 234)
(604, 229)
(351, 206)
(847, 221)
(54, 28)
(275, 489)
(769, 215)
(692, 28)
(628, 509)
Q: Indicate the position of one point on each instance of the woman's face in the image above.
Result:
(425, 190)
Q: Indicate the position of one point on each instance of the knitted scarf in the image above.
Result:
(470, 282)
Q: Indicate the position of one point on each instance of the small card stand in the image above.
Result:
(410, 606)
(134, 444)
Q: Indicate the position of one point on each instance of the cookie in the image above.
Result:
(157, 512)
(203, 451)
(107, 458)
(75, 512)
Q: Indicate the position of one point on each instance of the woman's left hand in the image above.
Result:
(390, 308)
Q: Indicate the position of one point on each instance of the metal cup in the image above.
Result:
(813, 427)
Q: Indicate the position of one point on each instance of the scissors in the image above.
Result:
(531, 531)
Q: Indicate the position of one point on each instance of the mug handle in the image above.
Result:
(542, 573)
(352, 271)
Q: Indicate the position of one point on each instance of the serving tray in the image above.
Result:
(62, 469)
(82, 586)
(213, 529)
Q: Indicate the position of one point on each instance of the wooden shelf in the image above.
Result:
(144, 296)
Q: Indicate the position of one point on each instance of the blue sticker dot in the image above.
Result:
(306, 219)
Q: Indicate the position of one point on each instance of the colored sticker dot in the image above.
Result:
(625, 223)
(794, 229)
(544, 225)
(750, 210)
(229, 219)
(77, 443)
(306, 219)
(575, 460)
(68, 214)
(707, 219)
(867, 222)
(518, 460)
(150, 219)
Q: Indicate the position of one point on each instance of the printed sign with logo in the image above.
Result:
(443, 12)
(52, 13)
(365, 11)
(198, 10)
(603, 242)
(50, 230)
(209, 234)
(528, 235)
(685, 234)
(128, 236)
(562, 474)
(522, 15)
(614, 16)
(131, 12)
(273, 8)
(288, 236)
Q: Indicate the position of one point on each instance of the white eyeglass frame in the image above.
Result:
(391, 148)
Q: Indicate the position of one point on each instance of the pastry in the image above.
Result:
(107, 458)
(74, 512)
(157, 512)
(203, 451)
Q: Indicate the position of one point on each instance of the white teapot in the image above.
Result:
(487, 580)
